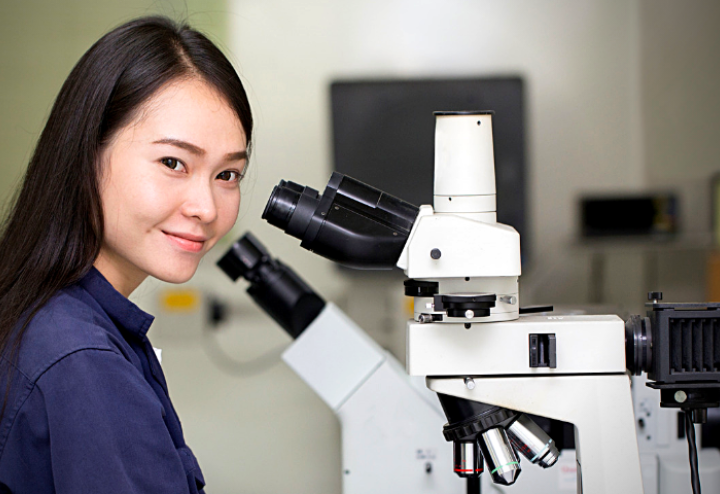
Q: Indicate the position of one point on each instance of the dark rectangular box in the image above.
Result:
(636, 216)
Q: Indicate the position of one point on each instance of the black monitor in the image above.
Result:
(384, 135)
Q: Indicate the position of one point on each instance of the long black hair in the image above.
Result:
(53, 233)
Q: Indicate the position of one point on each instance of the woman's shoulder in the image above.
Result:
(71, 321)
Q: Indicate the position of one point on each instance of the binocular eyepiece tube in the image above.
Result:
(351, 223)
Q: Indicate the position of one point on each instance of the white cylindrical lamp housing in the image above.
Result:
(465, 165)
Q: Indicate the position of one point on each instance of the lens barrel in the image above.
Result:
(467, 459)
(638, 345)
(533, 442)
(500, 456)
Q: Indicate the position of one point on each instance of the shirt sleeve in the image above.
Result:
(107, 430)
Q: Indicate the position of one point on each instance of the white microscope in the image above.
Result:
(488, 360)
(569, 368)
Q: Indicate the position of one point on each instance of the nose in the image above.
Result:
(200, 202)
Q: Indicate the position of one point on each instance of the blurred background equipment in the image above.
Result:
(653, 215)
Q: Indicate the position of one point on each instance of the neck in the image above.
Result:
(125, 279)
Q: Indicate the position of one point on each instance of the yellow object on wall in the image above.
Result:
(180, 300)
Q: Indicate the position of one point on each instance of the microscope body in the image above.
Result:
(568, 368)
(588, 388)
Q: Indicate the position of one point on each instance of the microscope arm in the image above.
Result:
(389, 420)
(334, 356)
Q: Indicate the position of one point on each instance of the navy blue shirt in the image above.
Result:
(88, 408)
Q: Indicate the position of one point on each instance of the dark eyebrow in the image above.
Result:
(181, 144)
(240, 155)
(198, 151)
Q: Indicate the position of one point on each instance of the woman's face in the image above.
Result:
(169, 185)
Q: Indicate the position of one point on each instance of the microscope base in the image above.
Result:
(607, 451)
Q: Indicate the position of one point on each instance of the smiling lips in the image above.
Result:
(190, 243)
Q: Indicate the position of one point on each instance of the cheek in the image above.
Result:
(228, 211)
(135, 203)
(151, 202)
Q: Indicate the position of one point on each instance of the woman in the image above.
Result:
(135, 174)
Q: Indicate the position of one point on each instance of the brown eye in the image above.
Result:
(229, 176)
(172, 163)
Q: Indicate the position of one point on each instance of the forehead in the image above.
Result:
(192, 110)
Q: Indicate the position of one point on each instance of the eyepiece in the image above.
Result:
(281, 205)
(290, 207)
(243, 258)
(276, 288)
(351, 222)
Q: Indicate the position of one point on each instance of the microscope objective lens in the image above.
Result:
(500, 456)
(468, 461)
(532, 442)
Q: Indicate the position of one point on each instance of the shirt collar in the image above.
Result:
(121, 310)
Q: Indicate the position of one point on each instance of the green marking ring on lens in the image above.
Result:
(503, 466)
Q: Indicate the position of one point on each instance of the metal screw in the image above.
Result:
(470, 383)
(435, 254)
(680, 396)
(469, 314)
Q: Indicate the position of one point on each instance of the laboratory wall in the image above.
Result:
(41, 41)
(620, 98)
(680, 70)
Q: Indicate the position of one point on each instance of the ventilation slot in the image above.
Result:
(694, 344)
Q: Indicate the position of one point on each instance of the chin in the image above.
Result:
(176, 276)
